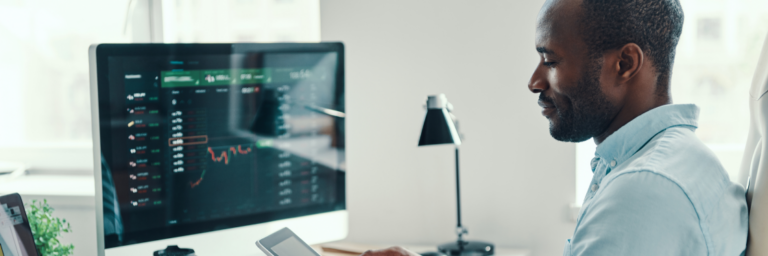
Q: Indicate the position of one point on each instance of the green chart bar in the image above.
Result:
(213, 77)
(179, 78)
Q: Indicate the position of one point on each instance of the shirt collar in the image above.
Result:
(630, 138)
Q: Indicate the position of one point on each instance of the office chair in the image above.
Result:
(754, 164)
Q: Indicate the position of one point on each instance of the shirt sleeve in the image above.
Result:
(639, 213)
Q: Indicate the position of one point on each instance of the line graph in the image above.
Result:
(222, 156)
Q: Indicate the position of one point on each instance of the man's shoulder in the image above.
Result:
(673, 161)
(678, 155)
(682, 163)
(676, 171)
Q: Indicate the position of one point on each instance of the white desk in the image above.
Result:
(75, 202)
(350, 249)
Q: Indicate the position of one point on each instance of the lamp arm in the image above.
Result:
(460, 230)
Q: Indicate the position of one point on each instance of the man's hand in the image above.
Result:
(391, 251)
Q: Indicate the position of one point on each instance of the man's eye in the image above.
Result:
(549, 64)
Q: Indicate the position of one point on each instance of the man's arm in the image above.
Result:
(639, 213)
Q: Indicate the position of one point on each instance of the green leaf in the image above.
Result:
(46, 229)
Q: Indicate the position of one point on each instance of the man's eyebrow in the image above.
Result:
(544, 50)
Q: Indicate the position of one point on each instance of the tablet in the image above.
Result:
(15, 235)
(285, 243)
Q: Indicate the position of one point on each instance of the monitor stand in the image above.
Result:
(174, 250)
(466, 248)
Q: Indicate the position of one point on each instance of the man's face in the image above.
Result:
(567, 79)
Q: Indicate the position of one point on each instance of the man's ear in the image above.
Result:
(631, 59)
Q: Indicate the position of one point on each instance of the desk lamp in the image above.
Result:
(439, 128)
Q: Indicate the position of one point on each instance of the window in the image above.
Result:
(45, 93)
(715, 62)
(45, 90)
(211, 21)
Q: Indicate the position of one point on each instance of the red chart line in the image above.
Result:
(224, 156)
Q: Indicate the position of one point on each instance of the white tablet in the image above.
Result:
(285, 243)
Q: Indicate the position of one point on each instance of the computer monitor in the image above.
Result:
(214, 146)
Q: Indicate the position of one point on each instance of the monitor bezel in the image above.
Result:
(99, 55)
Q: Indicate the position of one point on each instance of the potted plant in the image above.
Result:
(46, 229)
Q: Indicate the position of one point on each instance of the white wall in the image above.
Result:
(517, 180)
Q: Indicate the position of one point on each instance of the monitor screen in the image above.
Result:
(197, 140)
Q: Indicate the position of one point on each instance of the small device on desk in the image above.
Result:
(15, 234)
(285, 243)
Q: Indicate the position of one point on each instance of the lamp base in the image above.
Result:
(466, 248)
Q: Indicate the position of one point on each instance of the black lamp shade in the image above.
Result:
(438, 126)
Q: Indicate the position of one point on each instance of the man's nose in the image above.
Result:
(537, 84)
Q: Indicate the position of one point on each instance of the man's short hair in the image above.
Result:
(654, 25)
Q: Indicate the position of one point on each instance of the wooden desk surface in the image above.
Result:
(354, 249)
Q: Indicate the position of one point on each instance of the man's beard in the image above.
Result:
(585, 113)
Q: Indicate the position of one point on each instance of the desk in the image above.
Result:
(354, 249)
(75, 203)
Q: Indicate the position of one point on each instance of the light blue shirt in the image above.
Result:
(658, 190)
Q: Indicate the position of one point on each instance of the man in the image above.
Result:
(604, 74)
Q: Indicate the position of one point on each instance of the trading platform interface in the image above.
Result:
(201, 143)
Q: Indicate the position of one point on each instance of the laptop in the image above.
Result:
(15, 235)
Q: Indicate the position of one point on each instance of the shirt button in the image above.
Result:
(613, 163)
(594, 187)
